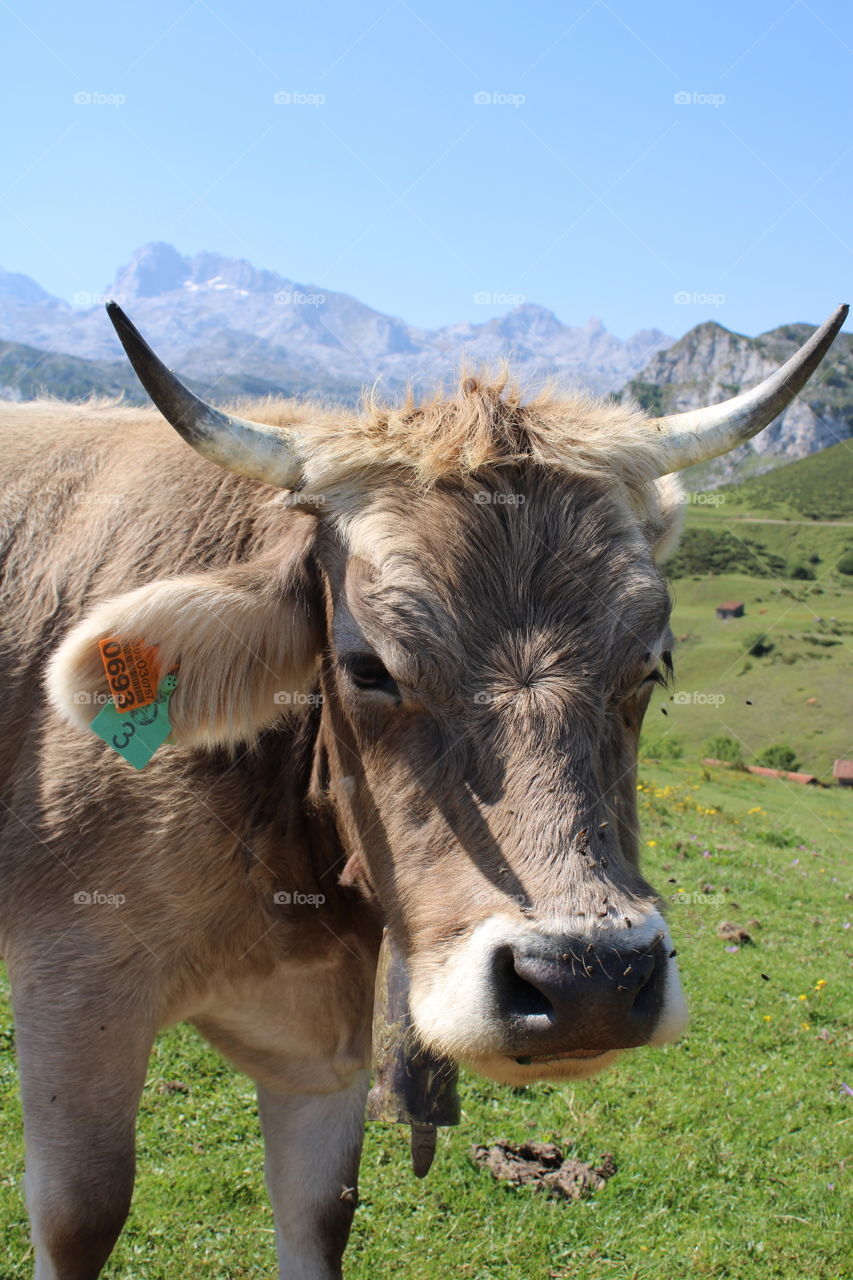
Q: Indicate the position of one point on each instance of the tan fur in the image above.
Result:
(498, 556)
(243, 641)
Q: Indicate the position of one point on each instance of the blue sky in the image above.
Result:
(581, 182)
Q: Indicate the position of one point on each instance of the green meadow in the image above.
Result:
(732, 1147)
(778, 544)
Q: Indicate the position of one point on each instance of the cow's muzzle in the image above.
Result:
(574, 998)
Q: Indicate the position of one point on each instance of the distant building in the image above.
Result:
(730, 609)
(842, 772)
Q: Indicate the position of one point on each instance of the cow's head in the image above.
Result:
(477, 596)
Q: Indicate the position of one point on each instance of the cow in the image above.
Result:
(413, 647)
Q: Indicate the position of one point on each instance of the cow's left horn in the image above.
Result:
(701, 434)
(250, 448)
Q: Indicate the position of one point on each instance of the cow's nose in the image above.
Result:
(577, 997)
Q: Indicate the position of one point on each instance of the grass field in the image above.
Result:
(730, 1146)
(799, 692)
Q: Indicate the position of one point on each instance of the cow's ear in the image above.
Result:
(664, 530)
(245, 641)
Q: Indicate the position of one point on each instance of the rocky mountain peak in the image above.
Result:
(153, 270)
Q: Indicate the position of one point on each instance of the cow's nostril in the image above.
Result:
(517, 997)
(573, 999)
(649, 990)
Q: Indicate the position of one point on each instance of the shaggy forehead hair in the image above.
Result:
(486, 422)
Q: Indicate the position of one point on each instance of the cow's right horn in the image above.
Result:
(251, 449)
(698, 435)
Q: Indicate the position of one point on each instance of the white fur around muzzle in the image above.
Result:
(454, 1006)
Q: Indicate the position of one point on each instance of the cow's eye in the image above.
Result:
(367, 672)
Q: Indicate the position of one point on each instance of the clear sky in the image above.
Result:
(577, 179)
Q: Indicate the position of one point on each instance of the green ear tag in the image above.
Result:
(137, 734)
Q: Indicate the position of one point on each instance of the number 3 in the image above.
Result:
(129, 733)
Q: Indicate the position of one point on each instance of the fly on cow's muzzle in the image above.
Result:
(412, 1085)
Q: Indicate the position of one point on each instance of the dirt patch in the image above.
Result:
(543, 1165)
(732, 932)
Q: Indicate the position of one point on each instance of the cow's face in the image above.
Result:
(487, 648)
(493, 645)
(489, 651)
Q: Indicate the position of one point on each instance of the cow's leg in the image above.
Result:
(82, 1071)
(313, 1146)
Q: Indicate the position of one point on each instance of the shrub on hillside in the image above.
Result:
(727, 749)
(778, 757)
(712, 551)
(802, 572)
(845, 564)
(758, 645)
(666, 748)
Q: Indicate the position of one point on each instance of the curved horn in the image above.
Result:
(251, 449)
(701, 434)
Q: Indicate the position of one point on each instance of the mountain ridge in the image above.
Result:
(233, 329)
(182, 303)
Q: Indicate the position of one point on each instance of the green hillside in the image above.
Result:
(27, 373)
(778, 543)
(819, 487)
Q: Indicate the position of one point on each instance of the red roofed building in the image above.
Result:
(730, 609)
(842, 772)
